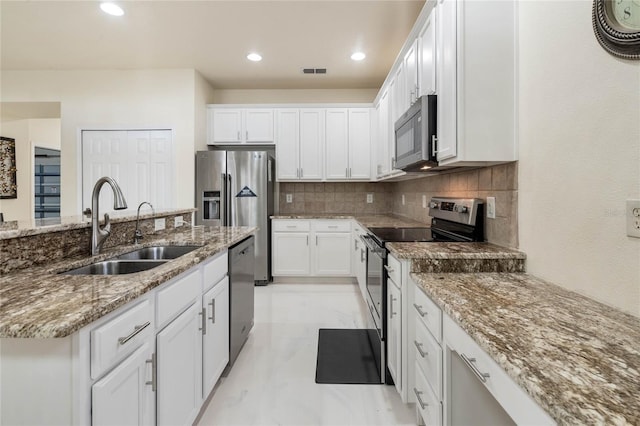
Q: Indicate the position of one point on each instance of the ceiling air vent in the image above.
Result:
(314, 70)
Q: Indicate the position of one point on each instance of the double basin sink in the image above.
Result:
(136, 261)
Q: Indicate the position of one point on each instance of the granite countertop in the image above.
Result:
(40, 303)
(25, 228)
(370, 221)
(579, 359)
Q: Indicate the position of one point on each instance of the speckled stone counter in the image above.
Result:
(579, 359)
(372, 221)
(40, 303)
(459, 257)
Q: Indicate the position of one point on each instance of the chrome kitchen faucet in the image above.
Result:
(99, 235)
(137, 235)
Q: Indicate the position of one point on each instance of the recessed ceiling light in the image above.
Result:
(254, 57)
(111, 9)
(358, 56)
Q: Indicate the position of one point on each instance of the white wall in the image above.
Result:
(109, 100)
(579, 155)
(295, 96)
(204, 94)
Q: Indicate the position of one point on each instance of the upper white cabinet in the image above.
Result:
(476, 76)
(411, 74)
(427, 56)
(348, 143)
(300, 136)
(242, 125)
(383, 136)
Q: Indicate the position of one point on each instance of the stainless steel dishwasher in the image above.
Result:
(241, 295)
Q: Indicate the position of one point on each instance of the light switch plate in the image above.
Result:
(633, 218)
(491, 207)
(369, 198)
(403, 199)
(289, 198)
(424, 201)
(160, 224)
(178, 221)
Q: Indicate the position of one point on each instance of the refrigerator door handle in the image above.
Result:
(228, 201)
(269, 165)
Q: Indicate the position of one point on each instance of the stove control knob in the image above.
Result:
(460, 208)
(433, 205)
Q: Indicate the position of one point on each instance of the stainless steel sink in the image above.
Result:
(158, 252)
(115, 267)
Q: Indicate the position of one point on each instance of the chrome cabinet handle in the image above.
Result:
(154, 372)
(355, 244)
(419, 347)
(136, 330)
(238, 134)
(301, 172)
(418, 393)
(307, 240)
(393, 299)
(316, 240)
(389, 270)
(203, 316)
(332, 226)
(247, 133)
(470, 362)
(362, 256)
(434, 145)
(292, 226)
(419, 309)
(213, 311)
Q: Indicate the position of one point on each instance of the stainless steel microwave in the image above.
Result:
(415, 134)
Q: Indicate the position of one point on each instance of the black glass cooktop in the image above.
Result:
(389, 235)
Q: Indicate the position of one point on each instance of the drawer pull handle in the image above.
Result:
(213, 311)
(419, 348)
(470, 362)
(292, 226)
(154, 372)
(389, 270)
(393, 299)
(136, 330)
(418, 393)
(333, 226)
(419, 309)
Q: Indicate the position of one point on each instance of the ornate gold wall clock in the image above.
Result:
(616, 24)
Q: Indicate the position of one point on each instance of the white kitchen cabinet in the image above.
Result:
(359, 258)
(476, 76)
(332, 254)
(291, 253)
(300, 143)
(240, 126)
(399, 100)
(215, 339)
(383, 136)
(179, 368)
(411, 73)
(394, 333)
(427, 56)
(348, 144)
(125, 396)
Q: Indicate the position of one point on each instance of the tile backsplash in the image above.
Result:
(499, 181)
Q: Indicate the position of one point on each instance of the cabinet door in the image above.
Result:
(359, 143)
(332, 254)
(411, 74)
(394, 330)
(384, 152)
(179, 368)
(446, 76)
(227, 126)
(400, 104)
(291, 253)
(123, 396)
(287, 144)
(337, 143)
(258, 126)
(311, 143)
(427, 56)
(215, 342)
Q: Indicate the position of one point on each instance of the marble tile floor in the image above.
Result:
(273, 379)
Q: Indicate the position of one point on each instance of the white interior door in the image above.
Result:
(140, 161)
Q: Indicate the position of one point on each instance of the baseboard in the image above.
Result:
(314, 280)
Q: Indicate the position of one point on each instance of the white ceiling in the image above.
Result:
(213, 37)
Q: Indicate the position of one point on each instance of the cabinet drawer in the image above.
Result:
(332, 226)
(177, 296)
(291, 225)
(394, 269)
(428, 357)
(427, 404)
(119, 337)
(215, 270)
(427, 312)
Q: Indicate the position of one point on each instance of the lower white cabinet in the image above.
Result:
(215, 340)
(125, 396)
(311, 247)
(179, 366)
(394, 333)
(359, 259)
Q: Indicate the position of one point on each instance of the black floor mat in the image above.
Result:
(345, 357)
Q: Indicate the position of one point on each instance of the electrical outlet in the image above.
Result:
(424, 201)
(403, 199)
(491, 207)
(369, 198)
(633, 218)
(178, 221)
(160, 224)
(289, 198)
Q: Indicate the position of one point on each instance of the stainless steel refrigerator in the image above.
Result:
(236, 188)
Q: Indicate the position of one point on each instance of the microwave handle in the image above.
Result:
(434, 145)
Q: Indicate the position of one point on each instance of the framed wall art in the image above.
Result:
(8, 184)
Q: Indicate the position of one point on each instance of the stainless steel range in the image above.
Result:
(453, 220)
